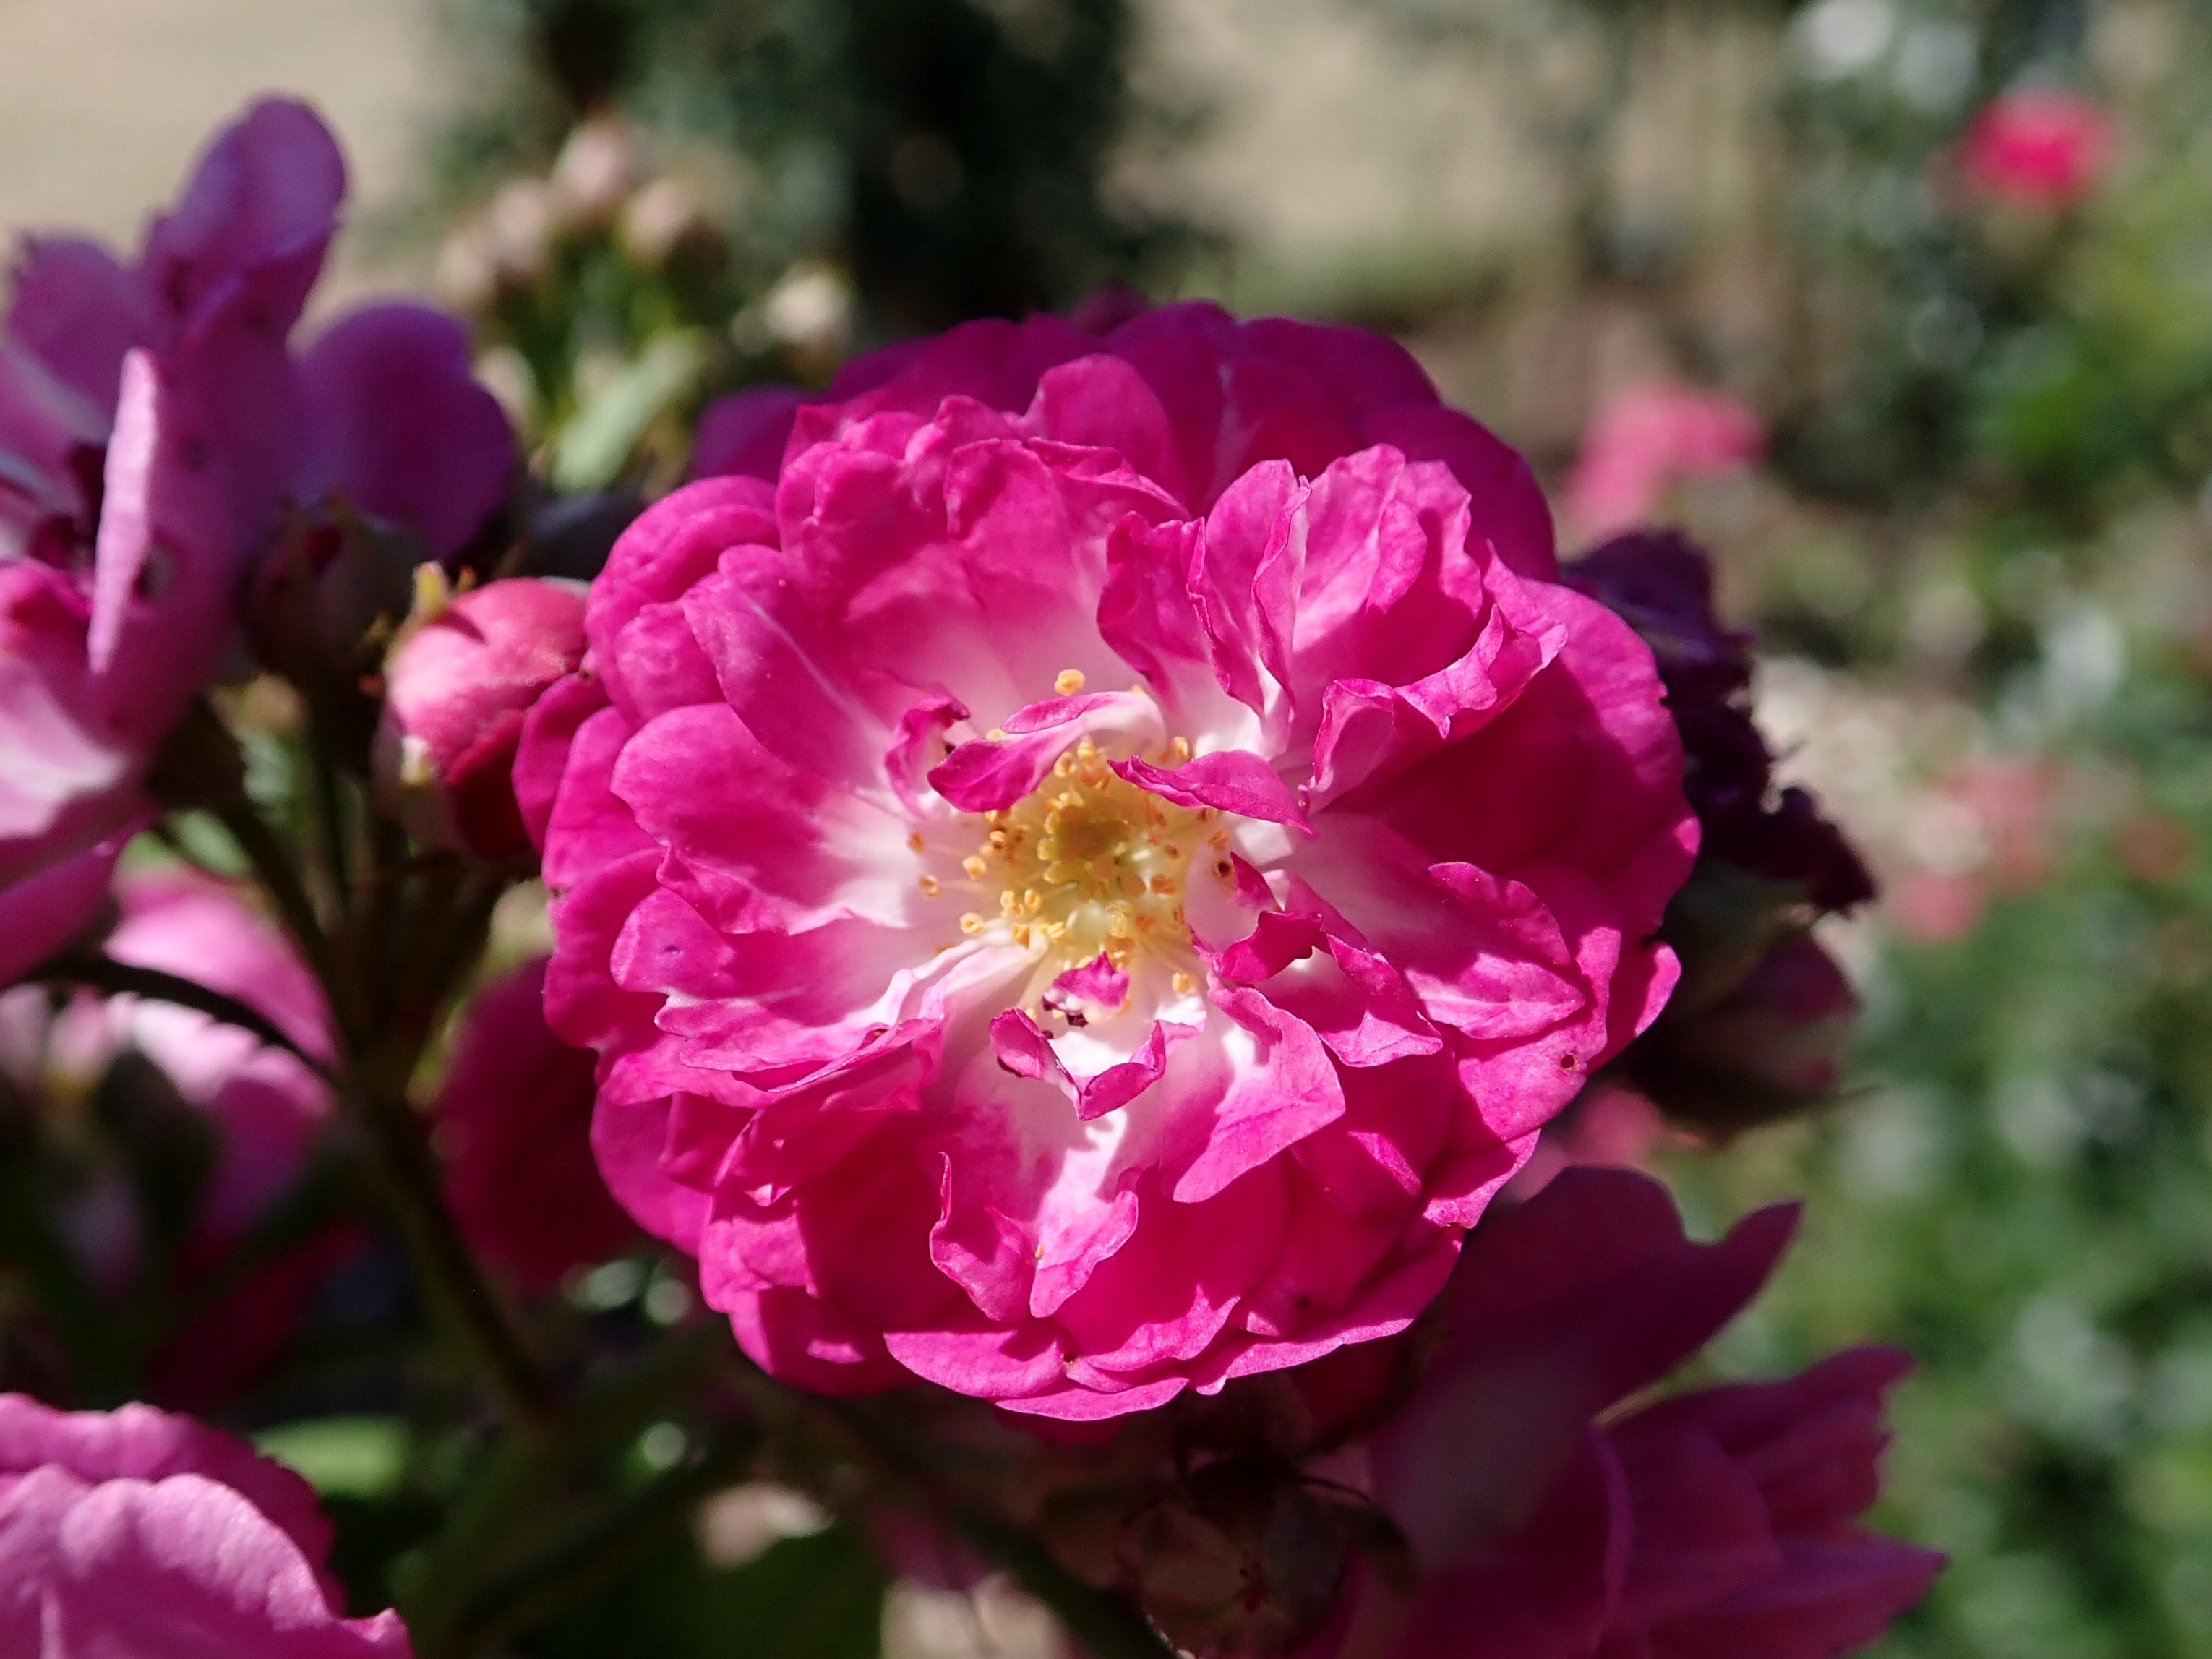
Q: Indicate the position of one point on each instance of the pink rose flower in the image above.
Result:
(135, 1532)
(1084, 888)
(456, 693)
(514, 1121)
(1718, 1522)
(2042, 148)
(152, 426)
(1645, 440)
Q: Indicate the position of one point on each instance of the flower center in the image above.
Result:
(1089, 864)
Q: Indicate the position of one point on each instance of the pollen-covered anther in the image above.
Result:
(1068, 682)
(1088, 863)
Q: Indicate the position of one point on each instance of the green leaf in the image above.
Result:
(598, 440)
(342, 1457)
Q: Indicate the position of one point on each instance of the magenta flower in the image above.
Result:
(152, 427)
(2042, 147)
(456, 694)
(1084, 888)
(514, 1121)
(1718, 1522)
(1647, 438)
(135, 1532)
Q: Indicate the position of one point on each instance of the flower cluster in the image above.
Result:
(1080, 860)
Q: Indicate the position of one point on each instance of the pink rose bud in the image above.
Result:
(2043, 148)
(132, 1532)
(456, 693)
(515, 1121)
(1774, 1045)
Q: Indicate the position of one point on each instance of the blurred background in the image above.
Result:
(1903, 306)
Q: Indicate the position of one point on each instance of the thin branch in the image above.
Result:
(331, 822)
(371, 1089)
(406, 1174)
(503, 1513)
(112, 978)
(273, 867)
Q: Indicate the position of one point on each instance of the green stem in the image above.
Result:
(502, 1511)
(273, 867)
(372, 1090)
(584, 1559)
(331, 821)
(405, 1171)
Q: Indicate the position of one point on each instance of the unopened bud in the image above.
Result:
(457, 689)
(1773, 1046)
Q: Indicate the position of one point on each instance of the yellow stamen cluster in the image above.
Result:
(1086, 863)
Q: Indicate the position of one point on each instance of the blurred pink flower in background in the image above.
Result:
(2042, 147)
(514, 1123)
(1017, 875)
(1717, 1524)
(1988, 826)
(265, 1109)
(456, 692)
(141, 408)
(153, 424)
(134, 1533)
(1646, 438)
(266, 1104)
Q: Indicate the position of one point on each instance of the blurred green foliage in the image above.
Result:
(2022, 1194)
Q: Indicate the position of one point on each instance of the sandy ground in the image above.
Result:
(104, 102)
